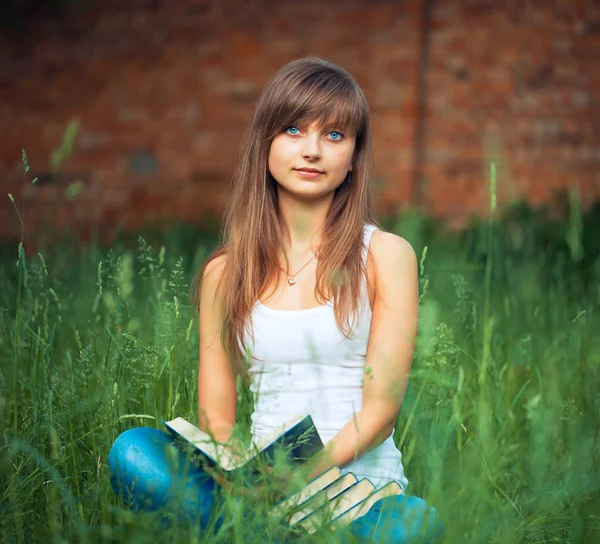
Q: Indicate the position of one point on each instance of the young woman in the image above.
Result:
(312, 304)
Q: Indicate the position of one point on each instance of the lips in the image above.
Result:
(314, 170)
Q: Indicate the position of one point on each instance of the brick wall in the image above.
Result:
(164, 90)
(518, 84)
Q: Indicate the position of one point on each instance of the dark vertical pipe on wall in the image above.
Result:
(420, 127)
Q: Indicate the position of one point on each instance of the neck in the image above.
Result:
(302, 222)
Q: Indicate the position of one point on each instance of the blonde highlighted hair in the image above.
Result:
(303, 91)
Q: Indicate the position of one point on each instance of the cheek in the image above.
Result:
(344, 159)
(277, 154)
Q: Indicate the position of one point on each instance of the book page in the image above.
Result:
(360, 509)
(220, 455)
(313, 487)
(268, 439)
(202, 441)
(325, 496)
(340, 504)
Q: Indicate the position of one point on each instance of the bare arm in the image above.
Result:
(389, 355)
(217, 394)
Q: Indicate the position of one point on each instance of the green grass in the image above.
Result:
(499, 428)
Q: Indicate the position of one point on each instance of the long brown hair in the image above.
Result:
(303, 91)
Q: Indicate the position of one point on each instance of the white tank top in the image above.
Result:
(302, 364)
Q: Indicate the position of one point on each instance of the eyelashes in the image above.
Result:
(335, 135)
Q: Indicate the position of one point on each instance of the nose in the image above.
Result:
(311, 149)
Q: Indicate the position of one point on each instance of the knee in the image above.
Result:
(129, 444)
(413, 520)
(119, 450)
(148, 472)
(134, 457)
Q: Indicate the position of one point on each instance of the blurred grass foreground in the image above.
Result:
(500, 428)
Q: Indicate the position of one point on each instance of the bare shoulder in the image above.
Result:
(387, 244)
(392, 265)
(212, 274)
(214, 268)
(394, 257)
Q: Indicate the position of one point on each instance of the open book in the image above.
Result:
(298, 437)
(332, 500)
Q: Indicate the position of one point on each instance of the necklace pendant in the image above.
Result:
(291, 281)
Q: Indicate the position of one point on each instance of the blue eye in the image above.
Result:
(336, 136)
(292, 130)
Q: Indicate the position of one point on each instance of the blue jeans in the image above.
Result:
(150, 473)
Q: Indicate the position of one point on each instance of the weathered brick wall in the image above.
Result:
(164, 91)
(518, 84)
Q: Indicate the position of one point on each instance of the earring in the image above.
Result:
(349, 177)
